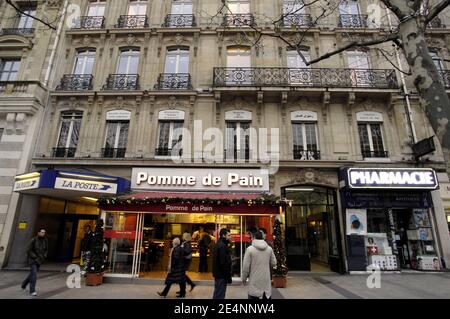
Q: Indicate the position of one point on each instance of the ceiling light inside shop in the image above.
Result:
(300, 189)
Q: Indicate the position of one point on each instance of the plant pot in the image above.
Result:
(94, 279)
(279, 281)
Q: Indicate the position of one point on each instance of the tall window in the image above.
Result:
(350, 15)
(9, 69)
(116, 138)
(294, 60)
(239, 6)
(84, 62)
(238, 57)
(128, 62)
(305, 146)
(437, 60)
(291, 10)
(170, 137)
(358, 60)
(96, 8)
(349, 7)
(299, 72)
(69, 134)
(371, 140)
(25, 21)
(137, 8)
(181, 7)
(177, 60)
(238, 141)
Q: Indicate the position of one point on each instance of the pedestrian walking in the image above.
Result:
(221, 264)
(203, 247)
(176, 270)
(187, 248)
(258, 260)
(36, 252)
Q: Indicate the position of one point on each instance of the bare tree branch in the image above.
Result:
(436, 10)
(388, 3)
(19, 10)
(392, 63)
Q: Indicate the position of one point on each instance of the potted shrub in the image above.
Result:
(94, 274)
(280, 271)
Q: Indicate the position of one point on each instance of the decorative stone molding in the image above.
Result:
(20, 123)
(350, 103)
(308, 176)
(217, 106)
(160, 41)
(326, 106)
(260, 99)
(138, 106)
(10, 118)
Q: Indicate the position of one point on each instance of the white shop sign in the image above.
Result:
(171, 115)
(118, 115)
(238, 116)
(30, 183)
(200, 179)
(303, 116)
(369, 117)
(85, 185)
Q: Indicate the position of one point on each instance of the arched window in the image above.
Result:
(177, 60)
(84, 62)
(128, 61)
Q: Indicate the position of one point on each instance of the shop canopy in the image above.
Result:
(194, 202)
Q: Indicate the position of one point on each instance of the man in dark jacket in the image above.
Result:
(221, 264)
(176, 272)
(37, 253)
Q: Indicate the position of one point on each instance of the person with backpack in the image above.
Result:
(37, 253)
(187, 247)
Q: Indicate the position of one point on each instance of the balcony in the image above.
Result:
(238, 20)
(436, 23)
(174, 81)
(64, 152)
(165, 151)
(446, 78)
(132, 22)
(17, 31)
(179, 21)
(237, 155)
(353, 21)
(305, 77)
(75, 82)
(299, 20)
(122, 82)
(113, 152)
(375, 154)
(88, 22)
(306, 155)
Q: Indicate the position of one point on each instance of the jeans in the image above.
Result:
(220, 288)
(32, 278)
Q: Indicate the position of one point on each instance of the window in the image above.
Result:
(291, 11)
(305, 146)
(9, 69)
(350, 15)
(25, 21)
(128, 62)
(137, 8)
(96, 9)
(84, 62)
(116, 138)
(371, 140)
(238, 141)
(181, 7)
(68, 134)
(299, 72)
(294, 60)
(437, 60)
(177, 60)
(349, 7)
(238, 57)
(170, 138)
(358, 60)
(239, 7)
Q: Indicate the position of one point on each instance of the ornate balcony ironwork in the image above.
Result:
(299, 20)
(446, 78)
(436, 23)
(17, 31)
(353, 21)
(122, 82)
(64, 152)
(375, 154)
(131, 22)
(306, 155)
(75, 82)
(238, 20)
(88, 22)
(174, 81)
(179, 20)
(165, 151)
(237, 155)
(113, 152)
(305, 77)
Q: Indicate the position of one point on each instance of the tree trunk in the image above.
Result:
(428, 81)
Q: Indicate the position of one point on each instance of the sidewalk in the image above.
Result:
(52, 285)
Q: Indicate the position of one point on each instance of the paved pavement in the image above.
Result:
(52, 285)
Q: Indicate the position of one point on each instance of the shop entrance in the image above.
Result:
(312, 229)
(140, 243)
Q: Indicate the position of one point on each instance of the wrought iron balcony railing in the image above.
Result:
(64, 152)
(108, 152)
(237, 155)
(179, 21)
(131, 22)
(17, 31)
(122, 82)
(436, 23)
(165, 151)
(90, 22)
(238, 20)
(305, 77)
(299, 20)
(174, 81)
(353, 21)
(306, 155)
(446, 78)
(376, 154)
(75, 82)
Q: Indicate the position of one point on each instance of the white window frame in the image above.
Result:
(237, 133)
(97, 5)
(178, 53)
(303, 129)
(299, 61)
(9, 72)
(241, 51)
(26, 22)
(171, 134)
(349, 7)
(85, 55)
(187, 6)
(138, 5)
(117, 133)
(369, 135)
(74, 116)
(240, 6)
(358, 56)
(128, 54)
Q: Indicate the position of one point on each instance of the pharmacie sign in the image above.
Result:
(392, 178)
(200, 179)
(85, 185)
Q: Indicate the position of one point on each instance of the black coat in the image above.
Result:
(37, 250)
(187, 254)
(177, 272)
(222, 261)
